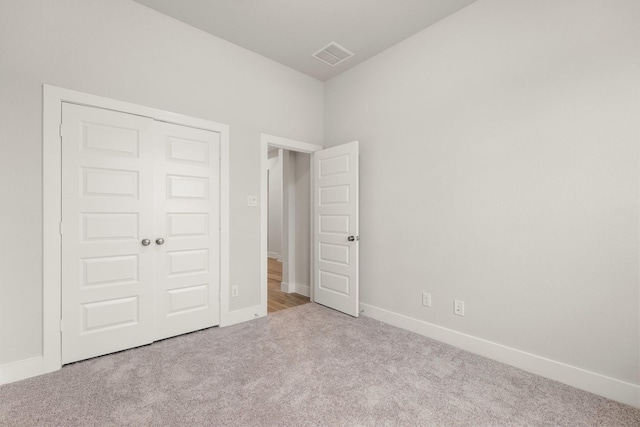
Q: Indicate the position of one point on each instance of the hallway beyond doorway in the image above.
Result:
(278, 300)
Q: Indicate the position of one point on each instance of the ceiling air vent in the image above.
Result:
(333, 54)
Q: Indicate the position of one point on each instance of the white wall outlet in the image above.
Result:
(426, 299)
(252, 200)
(235, 291)
(458, 307)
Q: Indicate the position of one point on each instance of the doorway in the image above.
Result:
(288, 229)
(286, 258)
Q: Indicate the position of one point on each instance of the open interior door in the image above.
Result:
(335, 195)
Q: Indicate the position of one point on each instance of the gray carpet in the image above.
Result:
(304, 366)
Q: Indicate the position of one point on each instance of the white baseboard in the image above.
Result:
(287, 287)
(302, 289)
(295, 287)
(244, 315)
(275, 256)
(608, 387)
(21, 370)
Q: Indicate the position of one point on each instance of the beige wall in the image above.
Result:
(499, 166)
(122, 50)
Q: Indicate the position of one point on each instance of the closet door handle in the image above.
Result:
(159, 241)
(146, 242)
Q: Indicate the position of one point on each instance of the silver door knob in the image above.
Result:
(146, 242)
(159, 241)
(353, 238)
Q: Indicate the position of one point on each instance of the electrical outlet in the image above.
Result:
(235, 291)
(458, 307)
(426, 299)
(252, 200)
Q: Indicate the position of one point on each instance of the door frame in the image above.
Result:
(292, 145)
(53, 97)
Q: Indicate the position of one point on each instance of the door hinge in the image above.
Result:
(61, 325)
(60, 228)
(60, 130)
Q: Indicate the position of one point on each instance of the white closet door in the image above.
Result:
(187, 220)
(107, 199)
(140, 231)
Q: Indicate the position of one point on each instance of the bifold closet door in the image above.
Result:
(140, 231)
(107, 211)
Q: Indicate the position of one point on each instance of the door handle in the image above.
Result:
(353, 238)
(159, 241)
(146, 242)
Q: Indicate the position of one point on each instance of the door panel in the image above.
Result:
(107, 201)
(335, 220)
(109, 226)
(110, 270)
(107, 314)
(186, 217)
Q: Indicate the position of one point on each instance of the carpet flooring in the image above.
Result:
(305, 366)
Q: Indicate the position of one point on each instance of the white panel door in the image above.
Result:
(140, 231)
(107, 199)
(336, 228)
(186, 218)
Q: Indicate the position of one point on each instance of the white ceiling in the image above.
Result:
(291, 31)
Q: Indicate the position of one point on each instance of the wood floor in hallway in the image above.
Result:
(278, 300)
